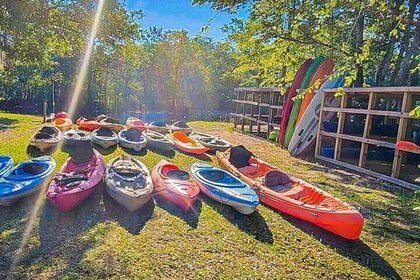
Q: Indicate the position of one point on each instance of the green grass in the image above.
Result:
(100, 240)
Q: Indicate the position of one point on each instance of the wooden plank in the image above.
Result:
(321, 120)
(395, 90)
(341, 119)
(402, 130)
(359, 139)
(259, 115)
(370, 112)
(264, 105)
(366, 131)
(247, 102)
(371, 173)
(257, 89)
(276, 107)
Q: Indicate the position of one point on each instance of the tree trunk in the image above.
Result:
(383, 68)
(360, 25)
(405, 41)
(413, 51)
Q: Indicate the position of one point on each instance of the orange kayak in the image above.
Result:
(133, 122)
(63, 124)
(89, 125)
(174, 184)
(187, 144)
(291, 195)
(408, 146)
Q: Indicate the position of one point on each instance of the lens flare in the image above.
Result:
(71, 109)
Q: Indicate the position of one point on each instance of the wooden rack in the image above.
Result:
(390, 106)
(257, 110)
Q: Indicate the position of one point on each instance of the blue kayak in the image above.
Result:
(6, 163)
(25, 179)
(222, 186)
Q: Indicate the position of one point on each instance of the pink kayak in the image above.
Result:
(75, 182)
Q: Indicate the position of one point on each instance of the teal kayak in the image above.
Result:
(25, 179)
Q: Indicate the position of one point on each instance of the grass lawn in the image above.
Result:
(101, 240)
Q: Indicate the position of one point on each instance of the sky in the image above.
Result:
(181, 14)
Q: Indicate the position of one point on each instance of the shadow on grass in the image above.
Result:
(254, 224)
(355, 250)
(203, 157)
(103, 151)
(133, 222)
(132, 152)
(167, 153)
(6, 123)
(190, 217)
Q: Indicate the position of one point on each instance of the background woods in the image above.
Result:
(376, 42)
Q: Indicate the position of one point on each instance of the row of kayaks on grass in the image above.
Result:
(242, 183)
(49, 137)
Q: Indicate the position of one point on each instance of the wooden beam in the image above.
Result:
(371, 173)
(341, 119)
(402, 130)
(359, 139)
(247, 102)
(394, 90)
(366, 131)
(262, 90)
(370, 112)
(321, 120)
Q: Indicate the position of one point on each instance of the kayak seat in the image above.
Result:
(276, 180)
(239, 156)
(71, 181)
(33, 168)
(105, 131)
(178, 174)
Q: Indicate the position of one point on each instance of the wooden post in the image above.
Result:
(366, 131)
(259, 114)
(402, 129)
(243, 113)
(321, 119)
(44, 111)
(341, 119)
(251, 113)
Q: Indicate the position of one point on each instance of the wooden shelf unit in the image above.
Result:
(399, 102)
(257, 110)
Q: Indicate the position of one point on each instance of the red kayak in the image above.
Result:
(62, 115)
(408, 147)
(75, 182)
(174, 184)
(133, 122)
(291, 195)
(88, 125)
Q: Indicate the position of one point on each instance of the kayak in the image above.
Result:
(6, 164)
(73, 135)
(75, 182)
(47, 137)
(212, 142)
(180, 126)
(25, 179)
(291, 195)
(157, 141)
(321, 75)
(89, 125)
(223, 187)
(128, 182)
(133, 122)
(186, 144)
(174, 184)
(101, 117)
(104, 137)
(306, 82)
(63, 124)
(305, 132)
(112, 124)
(160, 127)
(408, 146)
(291, 93)
(62, 115)
(131, 139)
